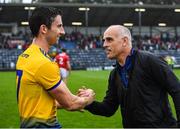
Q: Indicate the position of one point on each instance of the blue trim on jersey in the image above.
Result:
(54, 86)
(19, 73)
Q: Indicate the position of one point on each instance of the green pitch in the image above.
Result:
(96, 80)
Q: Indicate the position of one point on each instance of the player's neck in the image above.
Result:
(41, 43)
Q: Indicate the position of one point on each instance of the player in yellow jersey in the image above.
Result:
(40, 89)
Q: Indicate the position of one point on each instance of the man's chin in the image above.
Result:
(110, 57)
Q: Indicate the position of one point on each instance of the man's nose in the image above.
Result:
(104, 44)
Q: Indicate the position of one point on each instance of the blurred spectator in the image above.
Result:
(170, 61)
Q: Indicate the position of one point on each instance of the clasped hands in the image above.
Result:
(89, 94)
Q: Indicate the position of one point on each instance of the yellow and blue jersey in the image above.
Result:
(36, 74)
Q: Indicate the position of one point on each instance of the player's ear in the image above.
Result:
(43, 29)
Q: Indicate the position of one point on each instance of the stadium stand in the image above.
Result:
(84, 43)
(8, 58)
(92, 59)
(89, 59)
(86, 50)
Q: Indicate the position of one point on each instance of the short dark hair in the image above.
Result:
(42, 15)
(63, 49)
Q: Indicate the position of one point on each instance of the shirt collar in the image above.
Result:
(128, 61)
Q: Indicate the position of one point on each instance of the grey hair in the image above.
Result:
(124, 31)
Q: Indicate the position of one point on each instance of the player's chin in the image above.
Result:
(55, 41)
(52, 43)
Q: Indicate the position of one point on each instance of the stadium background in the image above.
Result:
(155, 26)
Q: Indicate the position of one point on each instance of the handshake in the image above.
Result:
(77, 102)
(87, 94)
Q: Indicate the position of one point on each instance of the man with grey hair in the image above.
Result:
(139, 84)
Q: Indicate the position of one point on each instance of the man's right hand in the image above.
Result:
(89, 94)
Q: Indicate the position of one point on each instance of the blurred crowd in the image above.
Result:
(158, 42)
(83, 41)
(20, 40)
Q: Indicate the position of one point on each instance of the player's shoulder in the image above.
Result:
(49, 65)
(66, 55)
(62, 54)
(36, 55)
(26, 55)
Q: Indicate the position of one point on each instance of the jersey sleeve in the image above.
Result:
(48, 75)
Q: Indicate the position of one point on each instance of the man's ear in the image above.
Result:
(125, 41)
(43, 29)
(124, 44)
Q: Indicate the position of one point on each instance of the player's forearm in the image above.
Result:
(77, 103)
(59, 106)
(67, 100)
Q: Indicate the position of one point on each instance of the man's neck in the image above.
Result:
(122, 58)
(42, 43)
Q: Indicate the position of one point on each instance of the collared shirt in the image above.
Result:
(123, 70)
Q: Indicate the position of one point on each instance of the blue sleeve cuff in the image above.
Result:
(55, 85)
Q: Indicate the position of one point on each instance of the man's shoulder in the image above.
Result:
(114, 70)
(146, 55)
(146, 58)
